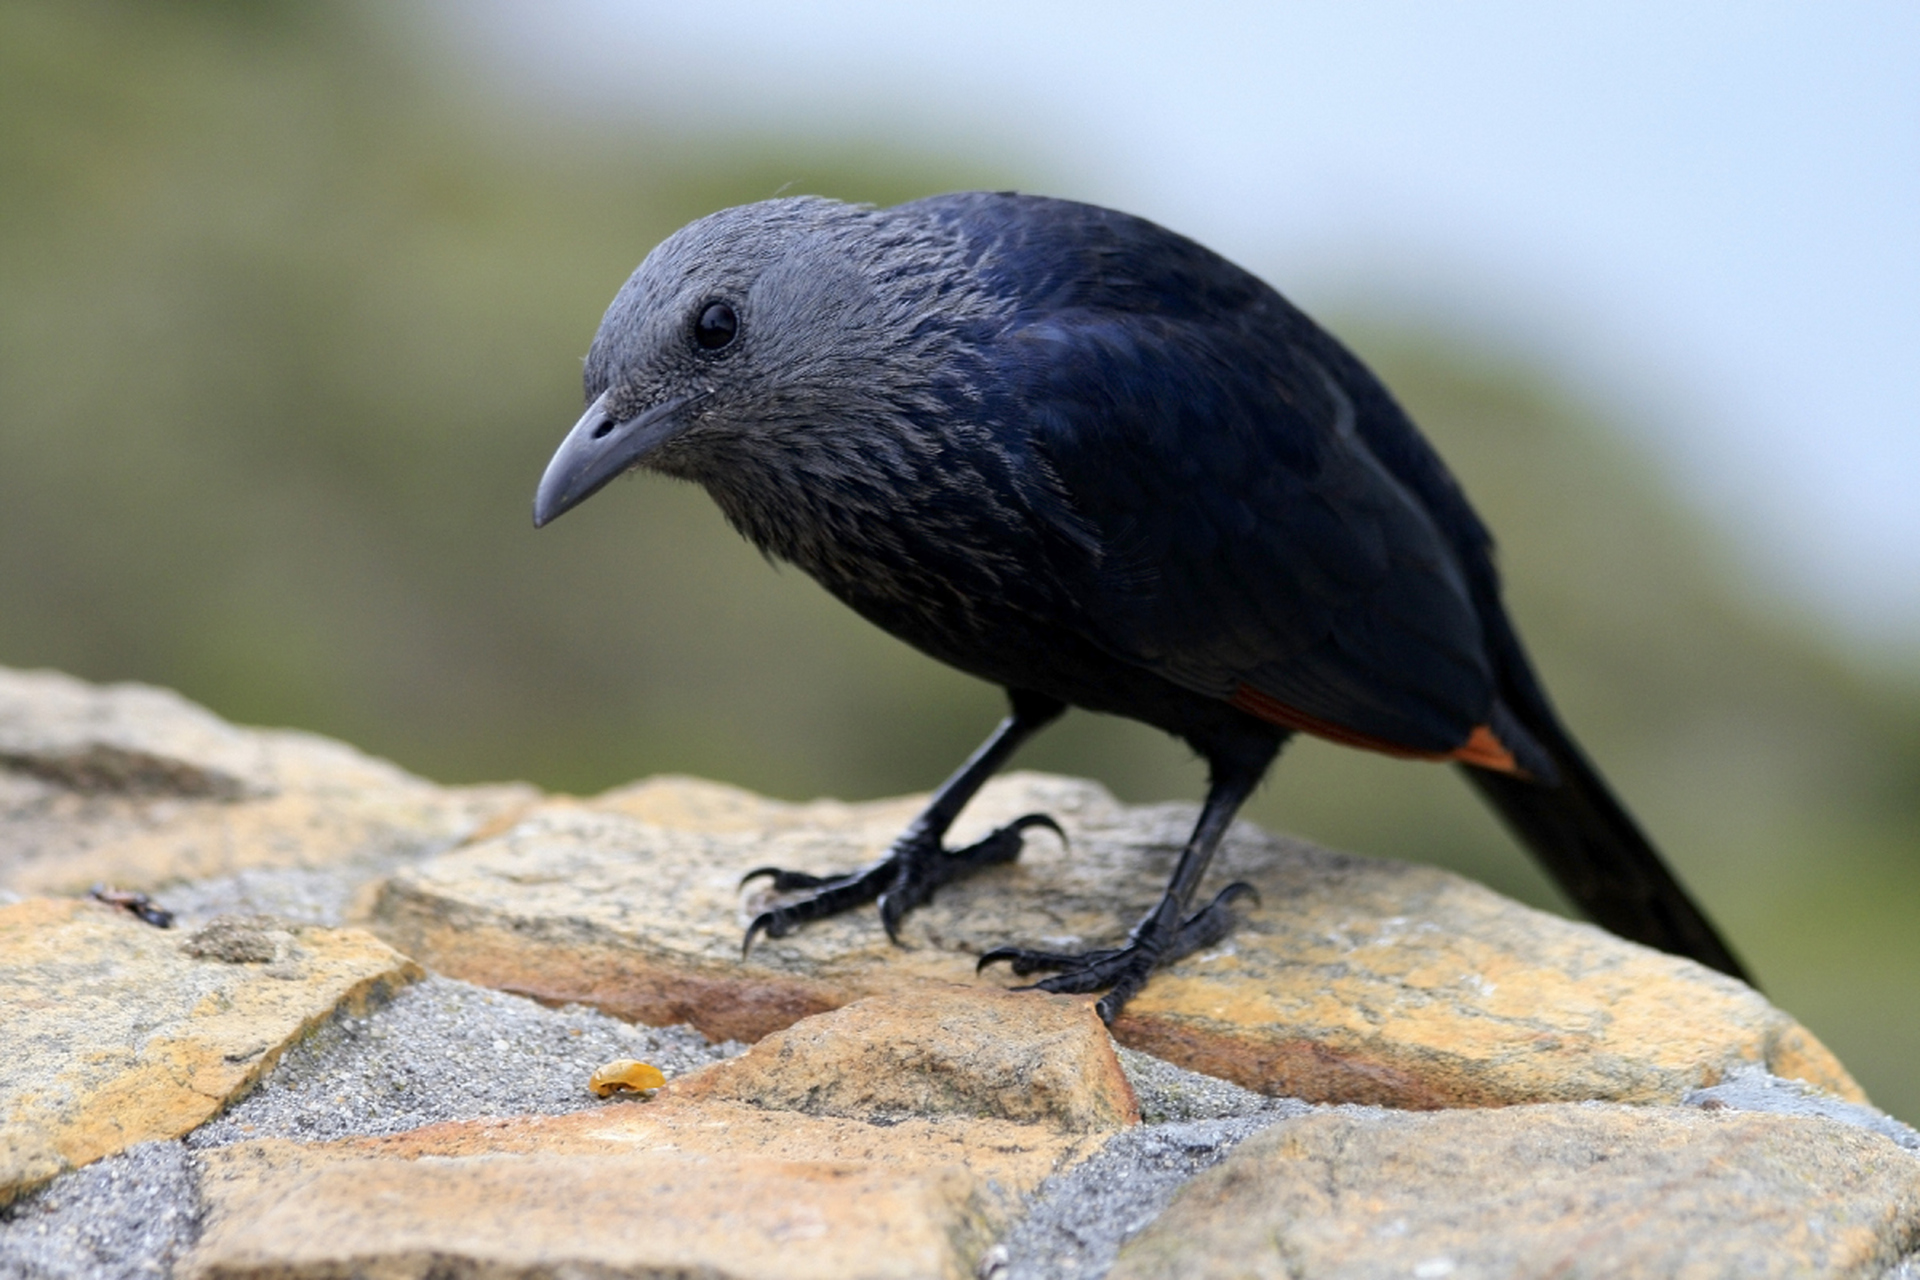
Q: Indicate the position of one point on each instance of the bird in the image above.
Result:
(1078, 455)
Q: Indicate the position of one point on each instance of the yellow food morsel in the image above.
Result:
(624, 1076)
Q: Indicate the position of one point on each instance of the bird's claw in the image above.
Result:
(901, 881)
(833, 895)
(1122, 971)
(920, 876)
(785, 881)
(1027, 821)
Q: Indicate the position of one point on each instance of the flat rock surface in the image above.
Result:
(739, 1169)
(655, 1215)
(137, 787)
(117, 1032)
(1561, 1190)
(1029, 1058)
(287, 1097)
(1355, 981)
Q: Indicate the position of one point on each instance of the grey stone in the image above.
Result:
(130, 1215)
(1080, 1219)
(1586, 1189)
(310, 895)
(1168, 1093)
(129, 739)
(444, 1050)
(249, 939)
(1753, 1089)
(138, 788)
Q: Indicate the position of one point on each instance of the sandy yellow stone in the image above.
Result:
(113, 1034)
(1354, 980)
(940, 1050)
(658, 1214)
(1553, 1190)
(138, 787)
(1410, 987)
(1008, 1159)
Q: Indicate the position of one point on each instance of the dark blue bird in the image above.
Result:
(1080, 456)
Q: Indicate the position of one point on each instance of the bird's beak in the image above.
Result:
(598, 449)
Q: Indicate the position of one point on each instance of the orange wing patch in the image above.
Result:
(1485, 750)
(1481, 748)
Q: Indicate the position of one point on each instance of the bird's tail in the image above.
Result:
(1597, 853)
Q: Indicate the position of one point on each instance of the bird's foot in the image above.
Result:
(1159, 939)
(901, 881)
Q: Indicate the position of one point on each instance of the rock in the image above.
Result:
(1075, 1224)
(1356, 981)
(127, 739)
(643, 921)
(898, 1115)
(116, 1034)
(137, 787)
(249, 939)
(1006, 1160)
(652, 1214)
(1015, 1157)
(1752, 1089)
(1028, 1058)
(1541, 1190)
(133, 1214)
(1168, 1093)
(764, 1165)
(1405, 986)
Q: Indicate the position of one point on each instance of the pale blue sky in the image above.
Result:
(1709, 214)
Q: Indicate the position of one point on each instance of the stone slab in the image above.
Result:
(1029, 1058)
(137, 787)
(115, 1033)
(1556, 1190)
(1007, 1159)
(1356, 980)
(658, 1215)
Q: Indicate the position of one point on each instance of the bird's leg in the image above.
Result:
(1165, 933)
(918, 863)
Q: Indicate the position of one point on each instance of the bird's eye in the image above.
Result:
(716, 326)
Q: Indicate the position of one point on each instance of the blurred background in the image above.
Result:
(293, 299)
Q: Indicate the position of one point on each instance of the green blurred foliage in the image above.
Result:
(290, 320)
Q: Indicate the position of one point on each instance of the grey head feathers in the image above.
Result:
(815, 430)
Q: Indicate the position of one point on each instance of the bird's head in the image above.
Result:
(743, 334)
(681, 347)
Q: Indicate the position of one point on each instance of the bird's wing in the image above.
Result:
(1250, 543)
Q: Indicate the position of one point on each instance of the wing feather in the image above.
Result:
(1249, 534)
